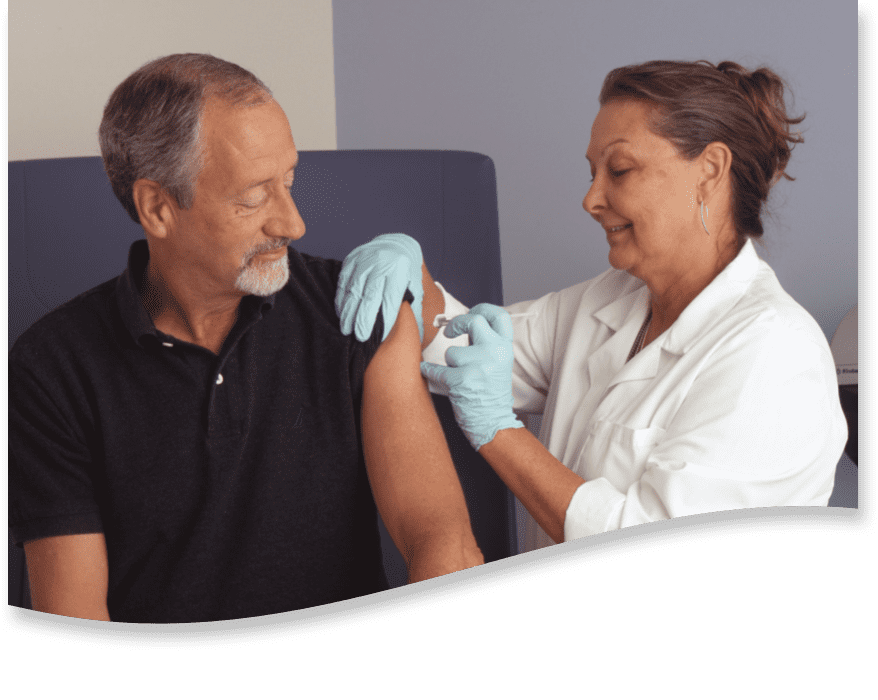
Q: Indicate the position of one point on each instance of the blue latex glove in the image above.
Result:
(478, 378)
(375, 275)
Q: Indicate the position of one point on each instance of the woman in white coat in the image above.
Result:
(682, 380)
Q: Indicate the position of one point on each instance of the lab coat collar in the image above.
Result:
(626, 314)
(703, 311)
(630, 305)
(714, 301)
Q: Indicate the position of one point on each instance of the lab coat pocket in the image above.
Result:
(617, 453)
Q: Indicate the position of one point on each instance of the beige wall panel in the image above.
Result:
(66, 57)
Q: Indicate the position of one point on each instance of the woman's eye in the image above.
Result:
(613, 173)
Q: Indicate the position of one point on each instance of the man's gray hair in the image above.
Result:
(151, 123)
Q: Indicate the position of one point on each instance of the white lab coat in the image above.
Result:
(734, 406)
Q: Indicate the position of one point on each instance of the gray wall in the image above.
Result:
(518, 80)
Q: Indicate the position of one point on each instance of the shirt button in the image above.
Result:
(168, 345)
(219, 379)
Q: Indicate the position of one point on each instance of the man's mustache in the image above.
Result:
(266, 247)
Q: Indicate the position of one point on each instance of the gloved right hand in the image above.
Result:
(375, 275)
(478, 379)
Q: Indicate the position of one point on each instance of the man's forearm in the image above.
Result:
(69, 575)
(416, 487)
(410, 468)
(434, 304)
(442, 554)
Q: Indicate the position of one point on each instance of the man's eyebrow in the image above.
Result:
(618, 140)
(251, 185)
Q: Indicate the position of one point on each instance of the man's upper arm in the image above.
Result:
(69, 575)
(410, 469)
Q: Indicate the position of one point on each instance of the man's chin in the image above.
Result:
(263, 279)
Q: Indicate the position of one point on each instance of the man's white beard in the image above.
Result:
(263, 279)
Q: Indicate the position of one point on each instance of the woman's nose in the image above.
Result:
(593, 201)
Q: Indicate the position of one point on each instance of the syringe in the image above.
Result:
(442, 320)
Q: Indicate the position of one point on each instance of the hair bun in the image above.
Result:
(764, 91)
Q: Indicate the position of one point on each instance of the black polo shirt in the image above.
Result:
(226, 486)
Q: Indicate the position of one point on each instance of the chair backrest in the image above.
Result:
(68, 233)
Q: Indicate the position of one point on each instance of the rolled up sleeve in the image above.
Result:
(760, 426)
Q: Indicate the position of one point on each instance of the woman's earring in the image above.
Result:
(703, 209)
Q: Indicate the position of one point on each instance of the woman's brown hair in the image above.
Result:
(700, 103)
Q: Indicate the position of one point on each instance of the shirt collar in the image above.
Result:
(707, 308)
(714, 301)
(134, 315)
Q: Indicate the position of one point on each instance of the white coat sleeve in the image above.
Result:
(532, 348)
(759, 426)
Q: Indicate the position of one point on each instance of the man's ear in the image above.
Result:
(155, 207)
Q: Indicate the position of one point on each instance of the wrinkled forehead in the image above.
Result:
(239, 146)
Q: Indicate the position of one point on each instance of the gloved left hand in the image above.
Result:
(375, 275)
(478, 379)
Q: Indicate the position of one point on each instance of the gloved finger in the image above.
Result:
(457, 356)
(475, 325)
(437, 375)
(353, 279)
(343, 281)
(357, 264)
(455, 328)
(462, 324)
(481, 333)
(396, 282)
(390, 303)
(367, 315)
(417, 309)
(497, 317)
(358, 310)
(348, 307)
(339, 297)
(345, 301)
(348, 311)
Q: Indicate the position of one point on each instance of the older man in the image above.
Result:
(196, 440)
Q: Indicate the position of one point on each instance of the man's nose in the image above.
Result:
(286, 222)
